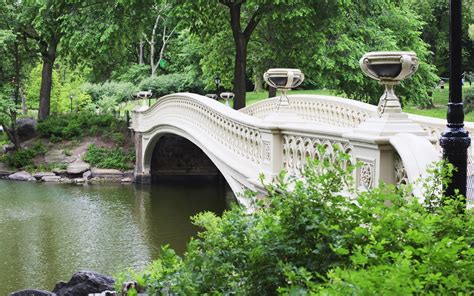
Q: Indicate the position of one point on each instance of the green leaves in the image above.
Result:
(306, 237)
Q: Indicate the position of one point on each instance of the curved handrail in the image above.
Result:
(239, 133)
(416, 154)
(206, 102)
(332, 110)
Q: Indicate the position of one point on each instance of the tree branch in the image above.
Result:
(255, 19)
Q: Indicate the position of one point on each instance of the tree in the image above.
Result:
(244, 16)
(16, 57)
(435, 32)
(325, 39)
(166, 34)
(81, 28)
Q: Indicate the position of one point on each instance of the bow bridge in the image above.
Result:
(393, 147)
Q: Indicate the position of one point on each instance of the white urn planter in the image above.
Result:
(283, 79)
(227, 96)
(389, 68)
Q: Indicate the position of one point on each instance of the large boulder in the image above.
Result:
(51, 178)
(32, 293)
(40, 175)
(21, 176)
(83, 283)
(26, 128)
(76, 168)
(106, 173)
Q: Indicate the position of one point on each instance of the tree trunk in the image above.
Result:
(24, 108)
(12, 134)
(48, 56)
(45, 91)
(240, 57)
(239, 72)
(140, 52)
(258, 82)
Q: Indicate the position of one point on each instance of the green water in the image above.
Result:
(50, 231)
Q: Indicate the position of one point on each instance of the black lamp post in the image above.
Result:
(455, 139)
(217, 81)
(70, 98)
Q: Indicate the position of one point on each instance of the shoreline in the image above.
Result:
(86, 175)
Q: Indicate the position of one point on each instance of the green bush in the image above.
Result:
(469, 100)
(19, 159)
(134, 73)
(107, 158)
(77, 125)
(117, 91)
(24, 157)
(171, 83)
(309, 238)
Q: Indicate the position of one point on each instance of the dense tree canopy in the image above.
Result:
(194, 41)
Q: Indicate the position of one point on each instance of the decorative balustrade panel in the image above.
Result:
(333, 111)
(297, 149)
(242, 139)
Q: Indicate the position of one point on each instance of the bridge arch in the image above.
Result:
(159, 131)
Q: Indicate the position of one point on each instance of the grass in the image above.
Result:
(440, 101)
(253, 97)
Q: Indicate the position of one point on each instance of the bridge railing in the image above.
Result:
(329, 110)
(347, 113)
(246, 144)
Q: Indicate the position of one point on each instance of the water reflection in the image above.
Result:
(49, 231)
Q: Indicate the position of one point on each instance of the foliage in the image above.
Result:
(117, 91)
(77, 125)
(24, 157)
(19, 158)
(107, 158)
(134, 74)
(469, 101)
(309, 237)
(65, 85)
(171, 83)
(435, 16)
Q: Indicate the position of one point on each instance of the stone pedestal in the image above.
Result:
(372, 148)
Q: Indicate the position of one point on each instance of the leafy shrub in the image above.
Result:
(76, 125)
(469, 100)
(20, 158)
(106, 158)
(116, 91)
(24, 157)
(172, 83)
(308, 237)
(135, 73)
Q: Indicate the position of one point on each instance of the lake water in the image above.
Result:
(50, 231)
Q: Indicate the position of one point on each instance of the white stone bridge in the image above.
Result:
(394, 148)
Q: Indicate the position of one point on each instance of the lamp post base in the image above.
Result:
(455, 142)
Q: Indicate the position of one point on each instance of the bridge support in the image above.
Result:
(372, 148)
(141, 177)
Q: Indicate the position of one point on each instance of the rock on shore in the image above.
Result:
(21, 176)
(82, 283)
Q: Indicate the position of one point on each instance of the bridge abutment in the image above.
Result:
(140, 176)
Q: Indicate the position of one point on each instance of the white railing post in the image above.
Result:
(272, 151)
(376, 158)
